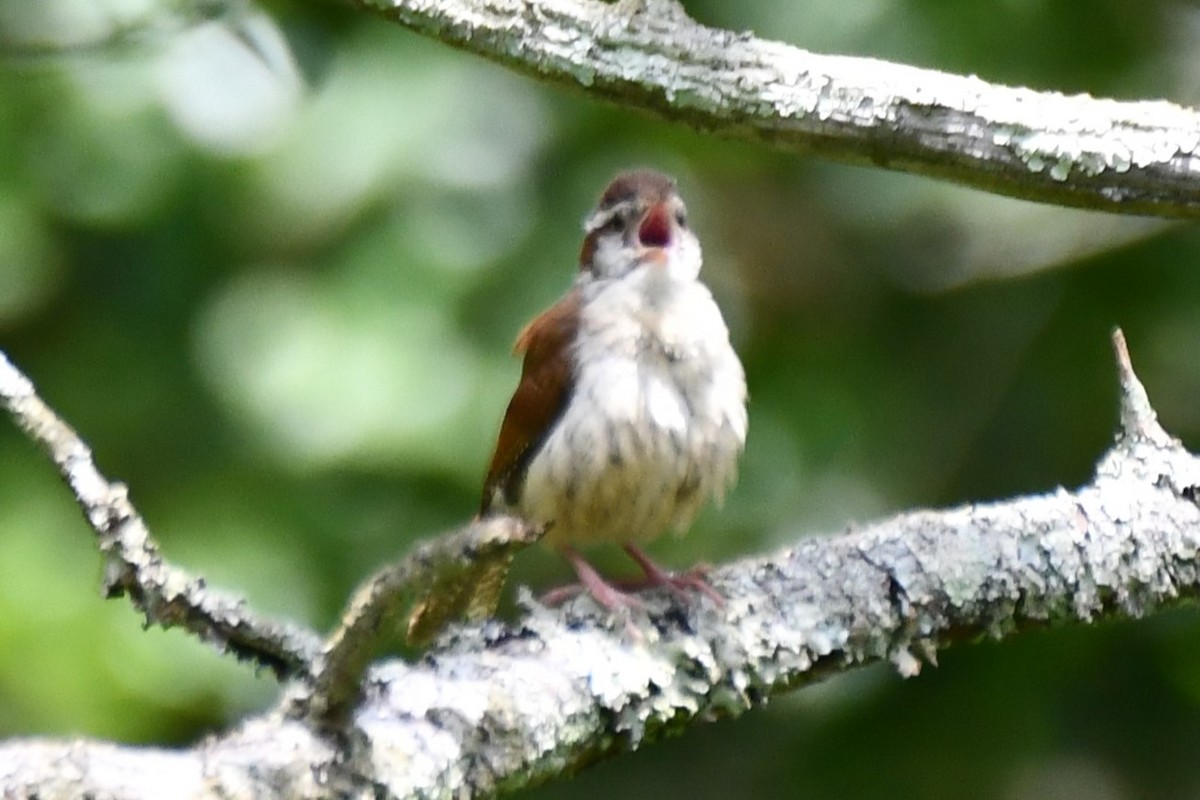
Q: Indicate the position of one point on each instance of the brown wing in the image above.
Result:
(547, 377)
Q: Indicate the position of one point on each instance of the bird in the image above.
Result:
(631, 409)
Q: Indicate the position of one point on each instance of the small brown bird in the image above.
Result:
(631, 408)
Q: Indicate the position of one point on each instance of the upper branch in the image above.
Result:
(1129, 157)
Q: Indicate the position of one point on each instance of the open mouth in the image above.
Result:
(655, 230)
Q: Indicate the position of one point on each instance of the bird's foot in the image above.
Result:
(679, 583)
(602, 591)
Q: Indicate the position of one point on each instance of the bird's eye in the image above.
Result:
(681, 217)
(613, 224)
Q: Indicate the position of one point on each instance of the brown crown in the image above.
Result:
(646, 183)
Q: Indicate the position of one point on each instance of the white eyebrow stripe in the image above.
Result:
(602, 216)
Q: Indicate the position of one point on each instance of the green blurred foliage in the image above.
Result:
(269, 262)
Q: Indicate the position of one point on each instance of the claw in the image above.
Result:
(694, 579)
(621, 599)
(602, 591)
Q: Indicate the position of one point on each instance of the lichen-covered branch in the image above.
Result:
(456, 575)
(167, 595)
(1129, 157)
(495, 706)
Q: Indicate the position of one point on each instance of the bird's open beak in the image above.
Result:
(656, 228)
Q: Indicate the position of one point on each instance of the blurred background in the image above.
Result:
(269, 261)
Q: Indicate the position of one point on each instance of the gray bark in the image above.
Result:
(496, 706)
(167, 595)
(1128, 157)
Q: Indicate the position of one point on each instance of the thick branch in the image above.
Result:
(498, 706)
(1129, 157)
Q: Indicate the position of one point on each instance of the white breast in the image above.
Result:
(656, 420)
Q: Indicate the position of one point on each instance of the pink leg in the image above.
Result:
(560, 594)
(590, 581)
(693, 579)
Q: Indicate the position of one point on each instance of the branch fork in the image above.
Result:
(495, 705)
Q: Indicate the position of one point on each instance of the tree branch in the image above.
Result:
(496, 706)
(167, 595)
(1127, 157)
(456, 575)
